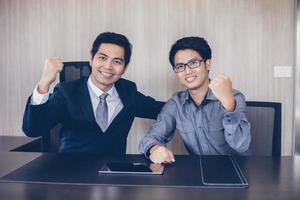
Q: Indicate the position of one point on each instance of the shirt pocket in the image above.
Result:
(187, 129)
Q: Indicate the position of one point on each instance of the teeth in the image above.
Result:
(106, 74)
(190, 79)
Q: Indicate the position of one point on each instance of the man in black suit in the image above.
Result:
(95, 113)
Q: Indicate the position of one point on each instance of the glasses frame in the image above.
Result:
(189, 65)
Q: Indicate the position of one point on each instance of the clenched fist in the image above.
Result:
(221, 87)
(51, 68)
(160, 154)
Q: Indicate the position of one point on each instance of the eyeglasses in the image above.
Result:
(192, 64)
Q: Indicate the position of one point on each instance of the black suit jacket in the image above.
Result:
(70, 105)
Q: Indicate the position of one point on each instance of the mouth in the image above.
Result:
(190, 79)
(106, 74)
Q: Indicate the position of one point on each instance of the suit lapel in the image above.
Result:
(123, 93)
(85, 100)
(86, 104)
(125, 99)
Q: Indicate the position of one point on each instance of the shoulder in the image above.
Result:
(125, 84)
(177, 99)
(237, 93)
(172, 106)
(179, 96)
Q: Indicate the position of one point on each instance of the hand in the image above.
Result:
(52, 67)
(160, 154)
(156, 167)
(221, 87)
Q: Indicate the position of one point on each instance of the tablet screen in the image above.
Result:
(132, 168)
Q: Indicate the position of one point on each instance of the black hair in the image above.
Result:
(197, 44)
(113, 38)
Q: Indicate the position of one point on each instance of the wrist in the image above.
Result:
(229, 104)
(43, 88)
(153, 148)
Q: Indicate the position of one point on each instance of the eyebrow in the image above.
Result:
(103, 54)
(116, 58)
(120, 59)
(181, 63)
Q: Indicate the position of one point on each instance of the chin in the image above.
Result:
(190, 85)
(107, 83)
(193, 87)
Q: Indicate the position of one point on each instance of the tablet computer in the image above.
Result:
(221, 171)
(132, 168)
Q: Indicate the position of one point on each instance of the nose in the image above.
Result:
(188, 70)
(108, 64)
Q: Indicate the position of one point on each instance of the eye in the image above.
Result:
(102, 58)
(179, 67)
(117, 62)
(195, 62)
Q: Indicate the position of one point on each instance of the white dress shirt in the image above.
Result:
(113, 100)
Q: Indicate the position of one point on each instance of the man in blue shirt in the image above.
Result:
(209, 114)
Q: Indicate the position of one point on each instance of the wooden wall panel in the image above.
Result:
(247, 38)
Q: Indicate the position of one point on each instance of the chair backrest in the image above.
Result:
(71, 71)
(74, 70)
(265, 119)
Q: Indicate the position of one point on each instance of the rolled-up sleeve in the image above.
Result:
(38, 98)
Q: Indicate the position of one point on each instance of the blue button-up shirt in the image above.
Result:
(207, 129)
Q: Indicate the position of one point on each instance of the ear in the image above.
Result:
(125, 68)
(91, 59)
(208, 64)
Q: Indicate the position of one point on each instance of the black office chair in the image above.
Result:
(265, 119)
(71, 71)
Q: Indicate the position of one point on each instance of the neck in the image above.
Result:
(199, 93)
(104, 88)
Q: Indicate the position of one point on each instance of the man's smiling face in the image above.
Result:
(192, 78)
(108, 65)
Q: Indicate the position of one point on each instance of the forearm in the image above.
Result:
(147, 107)
(147, 143)
(161, 131)
(237, 132)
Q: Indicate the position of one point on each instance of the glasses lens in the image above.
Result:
(194, 63)
(179, 68)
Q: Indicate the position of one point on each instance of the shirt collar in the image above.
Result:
(185, 97)
(112, 92)
(210, 95)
